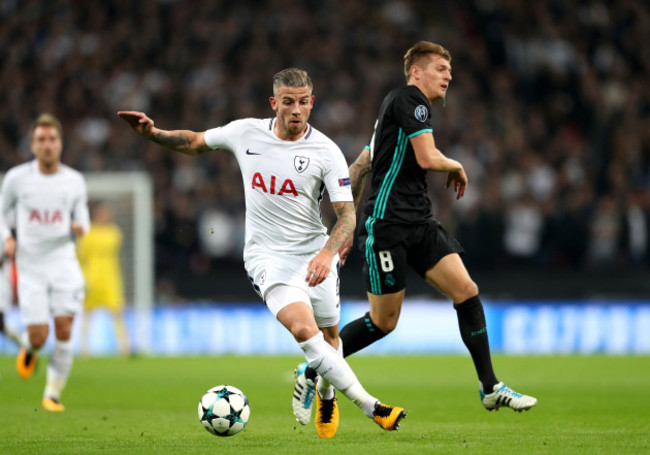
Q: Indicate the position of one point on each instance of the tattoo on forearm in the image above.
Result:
(177, 141)
(358, 171)
(344, 226)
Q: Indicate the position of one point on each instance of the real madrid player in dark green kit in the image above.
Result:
(398, 229)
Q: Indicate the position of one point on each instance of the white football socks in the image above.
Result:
(325, 389)
(331, 366)
(58, 368)
(25, 343)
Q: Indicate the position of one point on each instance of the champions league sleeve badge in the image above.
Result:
(422, 113)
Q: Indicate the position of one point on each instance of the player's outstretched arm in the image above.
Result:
(319, 266)
(183, 141)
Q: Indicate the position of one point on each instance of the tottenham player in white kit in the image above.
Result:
(50, 203)
(285, 165)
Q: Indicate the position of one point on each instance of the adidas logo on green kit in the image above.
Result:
(369, 325)
(478, 332)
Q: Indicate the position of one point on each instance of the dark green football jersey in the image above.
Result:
(398, 188)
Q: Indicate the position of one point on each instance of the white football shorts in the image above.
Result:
(50, 288)
(280, 281)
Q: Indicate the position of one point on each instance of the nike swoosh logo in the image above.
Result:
(248, 152)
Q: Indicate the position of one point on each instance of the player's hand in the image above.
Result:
(319, 268)
(345, 250)
(139, 121)
(459, 179)
(77, 229)
(10, 247)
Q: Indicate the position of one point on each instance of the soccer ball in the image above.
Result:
(224, 410)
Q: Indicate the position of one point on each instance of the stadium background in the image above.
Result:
(549, 111)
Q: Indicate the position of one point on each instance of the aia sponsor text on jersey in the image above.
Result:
(270, 185)
(45, 216)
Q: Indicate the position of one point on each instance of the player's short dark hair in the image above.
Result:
(48, 120)
(423, 50)
(292, 77)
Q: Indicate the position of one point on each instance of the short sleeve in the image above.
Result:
(413, 112)
(337, 178)
(224, 137)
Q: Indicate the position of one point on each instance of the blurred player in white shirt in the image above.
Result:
(293, 265)
(50, 203)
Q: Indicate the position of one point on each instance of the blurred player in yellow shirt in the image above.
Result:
(99, 255)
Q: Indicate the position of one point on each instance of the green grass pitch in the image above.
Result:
(587, 405)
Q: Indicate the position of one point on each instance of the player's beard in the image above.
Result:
(49, 159)
(294, 130)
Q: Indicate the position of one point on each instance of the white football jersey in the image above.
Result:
(44, 207)
(283, 184)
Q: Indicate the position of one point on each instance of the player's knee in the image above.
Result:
(63, 334)
(468, 290)
(37, 339)
(386, 323)
(303, 332)
(331, 338)
(63, 328)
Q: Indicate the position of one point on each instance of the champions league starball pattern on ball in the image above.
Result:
(224, 410)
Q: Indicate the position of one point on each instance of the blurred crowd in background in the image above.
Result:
(548, 110)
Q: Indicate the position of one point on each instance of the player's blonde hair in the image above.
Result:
(420, 51)
(48, 120)
(292, 77)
